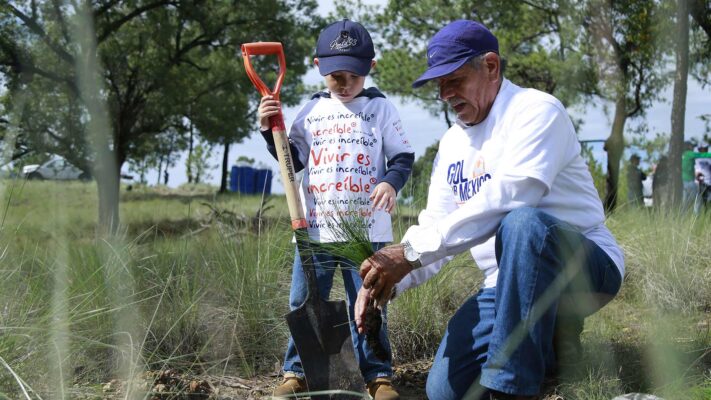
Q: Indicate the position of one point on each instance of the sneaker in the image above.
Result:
(382, 389)
(291, 385)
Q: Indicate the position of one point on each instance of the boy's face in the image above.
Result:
(344, 85)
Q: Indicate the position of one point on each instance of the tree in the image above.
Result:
(624, 38)
(700, 40)
(199, 162)
(534, 38)
(693, 54)
(101, 79)
(671, 195)
(538, 40)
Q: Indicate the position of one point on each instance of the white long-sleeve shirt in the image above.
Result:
(525, 153)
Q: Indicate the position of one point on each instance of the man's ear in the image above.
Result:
(493, 65)
(372, 64)
(316, 61)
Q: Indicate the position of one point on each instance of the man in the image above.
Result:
(508, 184)
(635, 176)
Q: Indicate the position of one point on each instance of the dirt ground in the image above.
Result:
(409, 380)
(170, 384)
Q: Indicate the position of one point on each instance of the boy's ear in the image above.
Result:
(372, 64)
(316, 61)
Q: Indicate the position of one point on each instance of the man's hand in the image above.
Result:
(383, 197)
(380, 273)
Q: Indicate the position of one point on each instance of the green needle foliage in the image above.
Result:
(352, 239)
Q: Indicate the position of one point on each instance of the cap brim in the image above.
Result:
(438, 71)
(358, 66)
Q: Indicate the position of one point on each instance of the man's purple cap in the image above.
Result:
(453, 46)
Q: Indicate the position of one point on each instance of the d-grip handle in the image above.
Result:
(281, 141)
(264, 48)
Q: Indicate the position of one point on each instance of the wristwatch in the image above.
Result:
(411, 256)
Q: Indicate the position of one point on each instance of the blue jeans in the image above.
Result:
(502, 338)
(690, 195)
(370, 366)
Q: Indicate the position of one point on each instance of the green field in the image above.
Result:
(199, 283)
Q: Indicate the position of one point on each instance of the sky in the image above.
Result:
(423, 129)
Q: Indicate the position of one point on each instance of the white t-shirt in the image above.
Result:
(525, 153)
(344, 147)
(703, 165)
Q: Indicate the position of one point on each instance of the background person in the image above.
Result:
(660, 176)
(508, 184)
(702, 175)
(635, 176)
(688, 179)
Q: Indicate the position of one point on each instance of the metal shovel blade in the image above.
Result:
(322, 336)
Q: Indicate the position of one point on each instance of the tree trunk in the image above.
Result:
(614, 146)
(190, 155)
(160, 169)
(225, 158)
(672, 191)
(104, 141)
(108, 185)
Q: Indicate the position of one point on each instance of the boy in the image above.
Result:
(341, 139)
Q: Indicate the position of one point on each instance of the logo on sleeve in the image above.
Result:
(464, 188)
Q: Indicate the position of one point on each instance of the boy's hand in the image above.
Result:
(383, 197)
(268, 107)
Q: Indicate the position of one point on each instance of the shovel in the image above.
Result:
(320, 328)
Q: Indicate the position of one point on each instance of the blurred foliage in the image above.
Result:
(622, 54)
(538, 40)
(106, 82)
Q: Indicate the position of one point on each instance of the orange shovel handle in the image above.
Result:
(281, 141)
(264, 48)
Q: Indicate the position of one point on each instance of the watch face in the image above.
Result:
(406, 251)
(410, 253)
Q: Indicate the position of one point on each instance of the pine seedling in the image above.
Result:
(352, 242)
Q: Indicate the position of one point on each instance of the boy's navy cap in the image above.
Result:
(453, 46)
(344, 46)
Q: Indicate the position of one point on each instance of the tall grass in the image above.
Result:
(209, 294)
(655, 335)
(76, 309)
(418, 317)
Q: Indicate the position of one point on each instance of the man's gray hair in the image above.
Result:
(477, 61)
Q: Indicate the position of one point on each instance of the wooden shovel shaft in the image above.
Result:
(288, 176)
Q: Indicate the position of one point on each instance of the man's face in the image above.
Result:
(471, 91)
